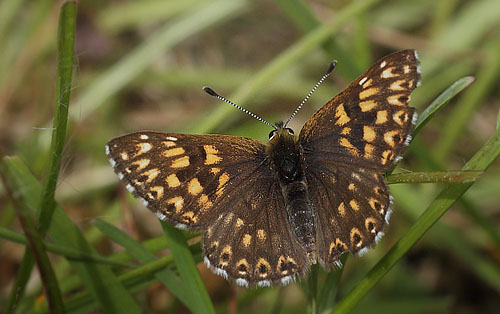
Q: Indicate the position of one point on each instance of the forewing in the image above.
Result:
(185, 179)
(252, 243)
(369, 122)
(353, 207)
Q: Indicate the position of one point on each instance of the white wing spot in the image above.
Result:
(264, 283)
(130, 188)
(112, 162)
(206, 261)
(242, 282)
(144, 137)
(388, 216)
(144, 202)
(363, 80)
(106, 149)
(379, 236)
(181, 226)
(220, 272)
(171, 138)
(120, 175)
(383, 64)
(160, 216)
(362, 252)
(287, 280)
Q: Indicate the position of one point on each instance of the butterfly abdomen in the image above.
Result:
(286, 162)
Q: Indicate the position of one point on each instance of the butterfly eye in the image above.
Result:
(272, 134)
(289, 130)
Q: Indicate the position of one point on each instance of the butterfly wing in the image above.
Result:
(369, 122)
(222, 185)
(348, 144)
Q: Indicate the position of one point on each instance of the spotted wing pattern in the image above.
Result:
(219, 184)
(348, 144)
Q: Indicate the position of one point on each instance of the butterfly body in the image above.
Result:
(268, 211)
(286, 162)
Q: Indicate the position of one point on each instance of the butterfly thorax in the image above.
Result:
(286, 162)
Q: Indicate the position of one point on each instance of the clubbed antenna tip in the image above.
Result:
(210, 91)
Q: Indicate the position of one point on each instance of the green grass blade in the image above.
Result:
(133, 64)
(459, 176)
(99, 279)
(441, 101)
(450, 194)
(66, 40)
(279, 65)
(65, 251)
(168, 277)
(37, 249)
(187, 268)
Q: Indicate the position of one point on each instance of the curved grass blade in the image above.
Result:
(459, 176)
(442, 100)
(448, 196)
(67, 252)
(187, 268)
(66, 41)
(168, 277)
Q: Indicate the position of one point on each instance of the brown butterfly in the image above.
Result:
(268, 211)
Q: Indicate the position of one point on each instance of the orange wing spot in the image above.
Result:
(143, 148)
(400, 117)
(261, 234)
(341, 115)
(354, 205)
(223, 178)
(346, 131)
(194, 187)
(173, 181)
(345, 143)
(141, 164)
(158, 190)
(239, 222)
(178, 202)
(394, 100)
(368, 92)
(189, 217)
(243, 267)
(406, 69)
(370, 225)
(215, 170)
(396, 86)
(381, 117)
(389, 137)
(341, 209)
(262, 268)
(247, 239)
(204, 202)
(151, 174)
(173, 152)
(180, 162)
(168, 144)
(387, 73)
(368, 83)
(356, 238)
(367, 105)
(369, 151)
(211, 153)
(352, 187)
(387, 156)
(369, 133)
(226, 256)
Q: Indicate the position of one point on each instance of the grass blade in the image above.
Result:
(200, 300)
(459, 176)
(441, 101)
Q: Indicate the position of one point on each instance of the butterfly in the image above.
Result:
(269, 211)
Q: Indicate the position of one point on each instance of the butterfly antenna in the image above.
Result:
(328, 72)
(211, 92)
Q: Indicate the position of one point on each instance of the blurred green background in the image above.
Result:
(141, 65)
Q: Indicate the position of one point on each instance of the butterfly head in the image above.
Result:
(280, 131)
